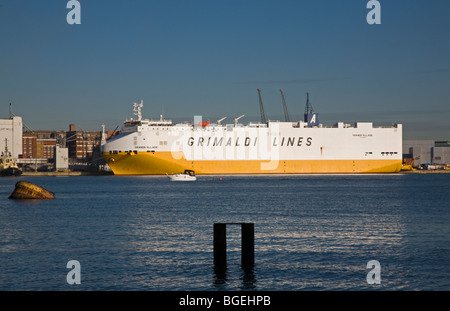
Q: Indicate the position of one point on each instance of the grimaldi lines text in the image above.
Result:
(156, 147)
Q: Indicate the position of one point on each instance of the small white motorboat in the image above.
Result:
(187, 175)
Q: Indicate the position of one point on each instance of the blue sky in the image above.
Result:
(208, 57)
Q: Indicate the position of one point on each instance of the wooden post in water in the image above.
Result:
(247, 245)
(220, 246)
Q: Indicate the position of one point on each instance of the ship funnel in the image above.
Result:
(310, 116)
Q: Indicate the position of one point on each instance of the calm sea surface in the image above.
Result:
(315, 232)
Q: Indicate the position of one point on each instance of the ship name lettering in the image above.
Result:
(290, 141)
(285, 141)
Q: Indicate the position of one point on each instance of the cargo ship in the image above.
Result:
(159, 147)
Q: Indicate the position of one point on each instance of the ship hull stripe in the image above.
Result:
(161, 163)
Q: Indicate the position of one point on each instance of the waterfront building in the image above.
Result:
(82, 144)
(427, 151)
(11, 135)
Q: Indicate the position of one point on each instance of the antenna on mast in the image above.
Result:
(12, 115)
(137, 109)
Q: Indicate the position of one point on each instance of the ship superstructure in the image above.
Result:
(159, 147)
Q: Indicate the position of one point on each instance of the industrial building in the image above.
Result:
(40, 144)
(48, 149)
(11, 135)
(426, 151)
(82, 144)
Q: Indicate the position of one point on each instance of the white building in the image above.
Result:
(61, 159)
(11, 136)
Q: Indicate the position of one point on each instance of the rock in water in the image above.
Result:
(25, 191)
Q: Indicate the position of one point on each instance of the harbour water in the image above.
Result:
(312, 232)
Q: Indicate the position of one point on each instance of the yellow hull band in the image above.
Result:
(161, 163)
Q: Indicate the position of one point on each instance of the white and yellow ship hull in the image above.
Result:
(146, 148)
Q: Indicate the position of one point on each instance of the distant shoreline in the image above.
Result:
(69, 173)
(426, 172)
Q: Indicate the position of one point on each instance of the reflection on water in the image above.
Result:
(311, 233)
(247, 278)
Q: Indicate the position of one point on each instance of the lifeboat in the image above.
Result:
(203, 124)
(25, 191)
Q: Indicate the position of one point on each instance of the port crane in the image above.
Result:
(236, 120)
(286, 114)
(219, 121)
(261, 108)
